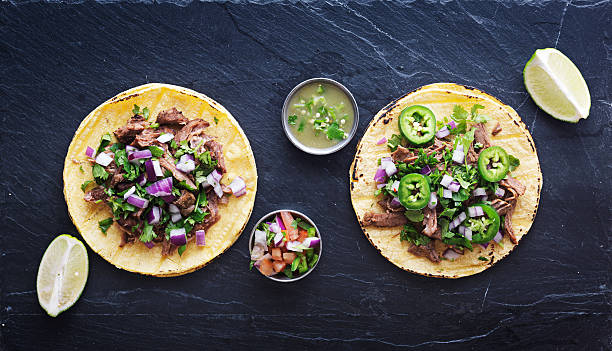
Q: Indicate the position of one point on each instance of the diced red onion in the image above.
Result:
(457, 221)
(103, 159)
(278, 239)
(157, 168)
(498, 237)
(380, 175)
(141, 180)
(216, 175)
(485, 245)
(161, 187)
(260, 238)
(311, 242)
(500, 192)
(386, 159)
(462, 216)
(218, 190)
(381, 141)
(426, 170)
(468, 234)
(90, 152)
(138, 201)
(186, 167)
(458, 156)
(129, 192)
(452, 125)
(447, 194)
(461, 230)
(433, 200)
(479, 192)
(280, 223)
(164, 138)
(154, 215)
(200, 237)
(151, 176)
(395, 202)
(443, 132)
(454, 187)
(472, 211)
(479, 211)
(484, 198)
(137, 155)
(175, 217)
(178, 237)
(274, 228)
(172, 208)
(149, 244)
(211, 179)
(378, 186)
(459, 147)
(395, 186)
(238, 186)
(168, 198)
(449, 254)
(390, 169)
(446, 180)
(129, 149)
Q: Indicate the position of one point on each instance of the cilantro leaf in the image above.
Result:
(414, 215)
(216, 120)
(99, 173)
(448, 212)
(292, 120)
(156, 151)
(514, 162)
(476, 117)
(182, 249)
(85, 184)
(320, 89)
(301, 126)
(334, 132)
(483, 258)
(147, 233)
(409, 233)
(136, 109)
(394, 141)
(105, 224)
(104, 141)
(145, 113)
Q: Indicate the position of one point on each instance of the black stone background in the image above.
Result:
(59, 61)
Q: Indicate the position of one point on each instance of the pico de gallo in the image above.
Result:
(285, 244)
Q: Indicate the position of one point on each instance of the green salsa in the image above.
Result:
(320, 115)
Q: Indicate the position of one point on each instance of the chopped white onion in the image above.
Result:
(443, 132)
(458, 156)
(479, 192)
(433, 200)
(164, 138)
(157, 168)
(395, 186)
(446, 180)
(103, 159)
(500, 192)
(468, 234)
(454, 187)
(129, 192)
(176, 217)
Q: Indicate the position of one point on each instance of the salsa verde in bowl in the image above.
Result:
(320, 116)
(285, 246)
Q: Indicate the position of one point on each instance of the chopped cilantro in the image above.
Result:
(251, 265)
(147, 233)
(104, 141)
(81, 169)
(476, 117)
(448, 212)
(182, 249)
(99, 174)
(414, 215)
(296, 263)
(145, 113)
(301, 126)
(154, 125)
(409, 233)
(156, 151)
(334, 132)
(394, 141)
(514, 162)
(216, 120)
(483, 258)
(292, 120)
(320, 89)
(105, 224)
(136, 109)
(85, 184)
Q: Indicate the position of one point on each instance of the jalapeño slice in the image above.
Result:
(413, 192)
(417, 124)
(480, 233)
(493, 163)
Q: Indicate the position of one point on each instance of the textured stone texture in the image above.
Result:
(60, 61)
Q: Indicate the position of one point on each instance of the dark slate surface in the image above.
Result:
(59, 61)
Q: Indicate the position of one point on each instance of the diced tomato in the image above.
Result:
(303, 235)
(288, 257)
(292, 233)
(266, 267)
(279, 266)
(276, 254)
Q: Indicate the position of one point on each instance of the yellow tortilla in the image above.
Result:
(441, 98)
(113, 114)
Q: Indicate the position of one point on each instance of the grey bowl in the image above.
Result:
(280, 277)
(312, 150)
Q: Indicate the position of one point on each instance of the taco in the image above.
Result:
(446, 181)
(160, 180)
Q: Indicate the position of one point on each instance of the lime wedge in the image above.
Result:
(62, 274)
(556, 85)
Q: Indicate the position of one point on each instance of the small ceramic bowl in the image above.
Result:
(319, 250)
(313, 150)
